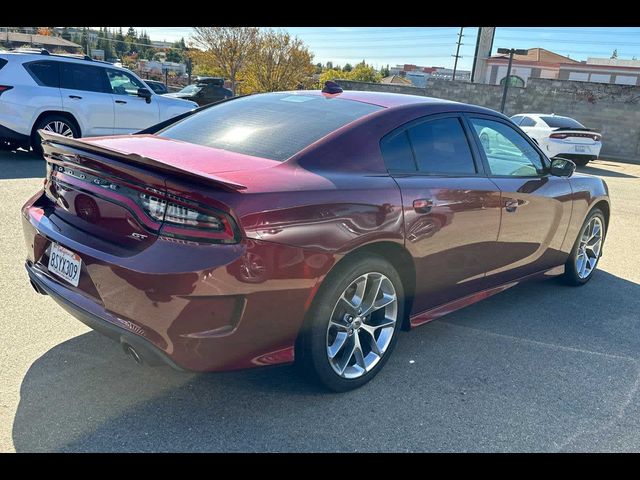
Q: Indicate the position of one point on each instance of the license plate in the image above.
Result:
(65, 264)
(581, 148)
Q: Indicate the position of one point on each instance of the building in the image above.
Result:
(20, 40)
(538, 63)
(603, 70)
(419, 76)
(159, 68)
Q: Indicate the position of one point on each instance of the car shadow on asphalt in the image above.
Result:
(526, 360)
(601, 172)
(21, 164)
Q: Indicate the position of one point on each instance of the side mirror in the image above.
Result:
(145, 93)
(562, 167)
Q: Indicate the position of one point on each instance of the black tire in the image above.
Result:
(7, 145)
(311, 348)
(36, 146)
(571, 275)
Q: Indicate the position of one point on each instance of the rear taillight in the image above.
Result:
(188, 221)
(4, 88)
(558, 135)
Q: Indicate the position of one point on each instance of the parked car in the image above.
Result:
(302, 226)
(158, 87)
(206, 90)
(560, 136)
(75, 97)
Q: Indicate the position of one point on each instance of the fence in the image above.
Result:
(614, 110)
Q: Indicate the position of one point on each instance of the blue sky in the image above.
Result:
(434, 46)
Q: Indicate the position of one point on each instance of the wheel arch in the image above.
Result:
(62, 113)
(604, 206)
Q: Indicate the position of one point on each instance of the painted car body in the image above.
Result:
(213, 307)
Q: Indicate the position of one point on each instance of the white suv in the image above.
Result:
(74, 96)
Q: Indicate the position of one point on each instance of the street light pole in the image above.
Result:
(511, 52)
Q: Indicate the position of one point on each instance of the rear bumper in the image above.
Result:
(192, 307)
(13, 136)
(150, 354)
(559, 148)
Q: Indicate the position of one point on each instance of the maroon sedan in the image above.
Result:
(302, 226)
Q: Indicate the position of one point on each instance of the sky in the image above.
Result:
(435, 46)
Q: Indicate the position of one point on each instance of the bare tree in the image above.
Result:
(227, 47)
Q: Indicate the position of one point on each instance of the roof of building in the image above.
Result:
(536, 55)
(396, 79)
(37, 39)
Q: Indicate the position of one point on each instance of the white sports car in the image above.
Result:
(561, 136)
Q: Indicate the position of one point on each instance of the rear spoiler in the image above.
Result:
(559, 129)
(50, 138)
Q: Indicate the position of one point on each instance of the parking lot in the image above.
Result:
(541, 367)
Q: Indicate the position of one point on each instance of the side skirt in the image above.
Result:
(437, 312)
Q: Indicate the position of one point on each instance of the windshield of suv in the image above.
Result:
(191, 89)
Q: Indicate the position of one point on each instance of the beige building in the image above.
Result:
(538, 63)
(603, 70)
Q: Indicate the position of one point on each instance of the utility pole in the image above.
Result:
(455, 63)
(511, 52)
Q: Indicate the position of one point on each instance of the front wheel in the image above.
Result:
(353, 323)
(587, 250)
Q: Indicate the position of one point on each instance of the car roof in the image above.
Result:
(61, 58)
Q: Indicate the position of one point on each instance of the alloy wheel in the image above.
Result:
(61, 128)
(362, 325)
(589, 248)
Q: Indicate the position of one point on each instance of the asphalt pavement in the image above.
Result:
(540, 367)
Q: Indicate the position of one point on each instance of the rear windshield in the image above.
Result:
(274, 126)
(561, 122)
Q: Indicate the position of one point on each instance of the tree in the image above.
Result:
(329, 65)
(279, 62)
(347, 67)
(131, 39)
(615, 53)
(120, 45)
(333, 74)
(385, 72)
(365, 73)
(227, 48)
(65, 33)
(318, 68)
(44, 31)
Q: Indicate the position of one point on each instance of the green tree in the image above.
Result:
(385, 72)
(365, 73)
(227, 49)
(131, 39)
(329, 65)
(347, 67)
(615, 53)
(119, 45)
(278, 62)
(318, 68)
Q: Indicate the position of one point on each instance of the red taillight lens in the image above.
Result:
(190, 222)
(558, 135)
(597, 138)
(4, 88)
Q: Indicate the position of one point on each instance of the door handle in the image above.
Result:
(120, 101)
(511, 205)
(422, 205)
(75, 97)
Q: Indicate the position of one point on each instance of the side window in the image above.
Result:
(123, 83)
(397, 153)
(46, 74)
(441, 147)
(527, 122)
(83, 77)
(507, 151)
(517, 119)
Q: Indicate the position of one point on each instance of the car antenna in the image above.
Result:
(331, 87)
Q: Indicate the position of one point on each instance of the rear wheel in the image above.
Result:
(587, 249)
(56, 124)
(353, 323)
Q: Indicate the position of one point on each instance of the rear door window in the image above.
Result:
(45, 73)
(441, 147)
(84, 77)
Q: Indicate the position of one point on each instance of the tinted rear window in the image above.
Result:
(3, 62)
(274, 126)
(441, 147)
(44, 73)
(561, 122)
(397, 153)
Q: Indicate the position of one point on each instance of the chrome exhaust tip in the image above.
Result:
(132, 353)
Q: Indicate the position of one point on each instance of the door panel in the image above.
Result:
(132, 113)
(453, 242)
(536, 206)
(84, 94)
(451, 210)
